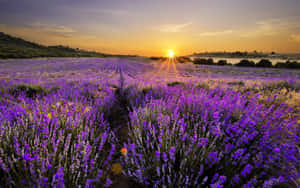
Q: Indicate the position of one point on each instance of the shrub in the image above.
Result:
(245, 63)
(155, 58)
(292, 65)
(30, 91)
(54, 89)
(210, 61)
(200, 61)
(158, 58)
(282, 85)
(202, 85)
(288, 65)
(264, 63)
(280, 65)
(183, 59)
(222, 62)
(238, 83)
(175, 83)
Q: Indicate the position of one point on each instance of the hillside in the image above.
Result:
(13, 47)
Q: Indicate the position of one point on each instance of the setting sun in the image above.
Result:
(171, 53)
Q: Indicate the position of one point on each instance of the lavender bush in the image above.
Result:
(63, 123)
(212, 138)
(54, 142)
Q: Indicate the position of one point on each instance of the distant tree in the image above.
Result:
(280, 65)
(292, 65)
(201, 61)
(156, 58)
(183, 59)
(288, 65)
(210, 61)
(245, 63)
(264, 63)
(222, 62)
(239, 54)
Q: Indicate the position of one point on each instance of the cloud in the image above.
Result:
(116, 12)
(265, 28)
(58, 30)
(174, 28)
(295, 37)
(2, 26)
(48, 34)
(217, 33)
(270, 27)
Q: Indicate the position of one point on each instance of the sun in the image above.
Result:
(171, 53)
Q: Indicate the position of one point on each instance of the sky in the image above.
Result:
(152, 27)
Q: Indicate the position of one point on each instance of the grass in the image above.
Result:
(170, 84)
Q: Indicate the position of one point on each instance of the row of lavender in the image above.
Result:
(190, 133)
(212, 138)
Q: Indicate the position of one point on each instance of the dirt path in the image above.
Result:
(118, 119)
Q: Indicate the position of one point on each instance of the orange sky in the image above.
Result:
(152, 28)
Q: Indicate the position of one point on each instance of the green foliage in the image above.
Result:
(202, 85)
(288, 65)
(183, 59)
(200, 61)
(147, 90)
(154, 58)
(30, 91)
(246, 63)
(222, 62)
(175, 83)
(264, 63)
(282, 85)
(54, 89)
(238, 83)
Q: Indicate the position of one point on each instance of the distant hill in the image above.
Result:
(13, 47)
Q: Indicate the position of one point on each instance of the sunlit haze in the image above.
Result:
(170, 53)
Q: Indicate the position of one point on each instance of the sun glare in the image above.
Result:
(171, 53)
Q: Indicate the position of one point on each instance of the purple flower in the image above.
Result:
(246, 170)
(108, 182)
(213, 158)
(172, 153)
(202, 142)
(165, 157)
(277, 150)
(157, 155)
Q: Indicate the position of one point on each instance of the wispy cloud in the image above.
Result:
(174, 28)
(295, 37)
(271, 27)
(58, 30)
(216, 33)
(116, 12)
(265, 28)
(48, 34)
(2, 26)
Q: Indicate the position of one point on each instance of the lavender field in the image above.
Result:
(116, 122)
